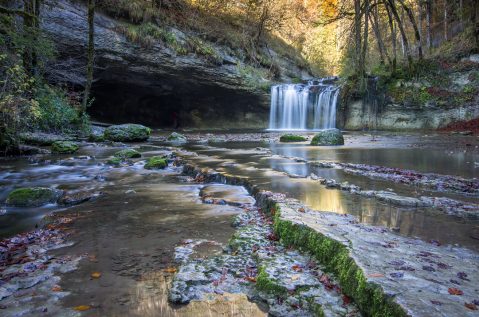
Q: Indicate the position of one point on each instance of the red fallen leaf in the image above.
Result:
(471, 306)
(301, 209)
(375, 275)
(346, 300)
(297, 268)
(273, 237)
(454, 291)
(250, 279)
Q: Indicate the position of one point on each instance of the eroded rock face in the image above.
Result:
(154, 85)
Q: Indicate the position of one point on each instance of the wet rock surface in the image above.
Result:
(254, 263)
(127, 133)
(441, 276)
(64, 147)
(328, 137)
(153, 224)
(33, 196)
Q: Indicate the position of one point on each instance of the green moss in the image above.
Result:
(32, 197)
(156, 162)
(292, 138)
(127, 133)
(328, 137)
(176, 137)
(128, 153)
(266, 284)
(336, 258)
(64, 147)
(115, 161)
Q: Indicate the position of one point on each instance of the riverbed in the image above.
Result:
(131, 230)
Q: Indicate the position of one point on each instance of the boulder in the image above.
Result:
(40, 138)
(127, 133)
(75, 198)
(156, 162)
(97, 134)
(128, 153)
(64, 147)
(33, 196)
(115, 161)
(292, 138)
(176, 137)
(328, 137)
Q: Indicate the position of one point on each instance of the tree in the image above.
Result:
(90, 54)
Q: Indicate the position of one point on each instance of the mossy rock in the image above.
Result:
(127, 133)
(176, 137)
(292, 138)
(96, 137)
(33, 196)
(115, 161)
(128, 153)
(40, 138)
(64, 147)
(328, 137)
(156, 162)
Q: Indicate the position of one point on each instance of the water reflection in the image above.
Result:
(273, 172)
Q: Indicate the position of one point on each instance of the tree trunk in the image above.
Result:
(428, 24)
(377, 32)
(90, 54)
(475, 23)
(446, 29)
(393, 37)
(364, 49)
(357, 34)
(401, 30)
(28, 26)
(417, 35)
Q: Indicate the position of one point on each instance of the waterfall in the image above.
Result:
(304, 106)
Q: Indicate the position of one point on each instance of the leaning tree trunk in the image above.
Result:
(393, 37)
(90, 54)
(402, 31)
(417, 34)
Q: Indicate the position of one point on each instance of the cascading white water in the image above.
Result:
(304, 106)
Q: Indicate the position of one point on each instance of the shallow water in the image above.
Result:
(131, 230)
(268, 171)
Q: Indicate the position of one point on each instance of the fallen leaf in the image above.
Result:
(82, 307)
(295, 277)
(92, 258)
(95, 275)
(297, 268)
(346, 300)
(375, 275)
(170, 270)
(56, 288)
(455, 291)
(471, 306)
(301, 209)
(250, 279)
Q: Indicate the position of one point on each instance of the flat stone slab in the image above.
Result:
(424, 279)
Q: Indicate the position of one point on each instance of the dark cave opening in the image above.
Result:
(199, 106)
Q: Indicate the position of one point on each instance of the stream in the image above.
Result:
(131, 230)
